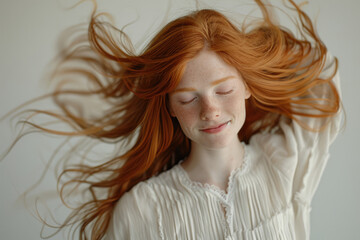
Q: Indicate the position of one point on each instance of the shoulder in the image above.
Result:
(277, 142)
(134, 215)
(147, 193)
(168, 179)
(278, 149)
(136, 204)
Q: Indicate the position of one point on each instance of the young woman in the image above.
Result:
(226, 129)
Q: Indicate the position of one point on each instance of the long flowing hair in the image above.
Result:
(278, 68)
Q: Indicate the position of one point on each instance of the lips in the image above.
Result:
(215, 128)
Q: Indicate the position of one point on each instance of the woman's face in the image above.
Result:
(209, 101)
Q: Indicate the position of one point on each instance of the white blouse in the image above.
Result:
(268, 198)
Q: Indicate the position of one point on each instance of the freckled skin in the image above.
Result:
(207, 105)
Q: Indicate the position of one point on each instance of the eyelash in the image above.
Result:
(187, 102)
(225, 93)
(220, 93)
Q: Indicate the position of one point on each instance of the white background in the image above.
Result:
(28, 34)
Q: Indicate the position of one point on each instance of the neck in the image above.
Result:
(213, 166)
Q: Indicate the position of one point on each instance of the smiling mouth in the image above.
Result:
(219, 127)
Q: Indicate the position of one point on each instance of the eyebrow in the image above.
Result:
(214, 83)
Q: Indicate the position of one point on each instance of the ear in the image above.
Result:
(247, 91)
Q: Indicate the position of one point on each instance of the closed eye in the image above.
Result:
(187, 102)
(225, 93)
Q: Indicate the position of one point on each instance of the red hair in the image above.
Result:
(278, 68)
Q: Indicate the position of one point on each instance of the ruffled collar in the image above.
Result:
(212, 188)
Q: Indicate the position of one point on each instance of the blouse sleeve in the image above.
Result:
(311, 148)
(134, 216)
(298, 156)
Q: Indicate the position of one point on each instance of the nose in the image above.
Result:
(209, 110)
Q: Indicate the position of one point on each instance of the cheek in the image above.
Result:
(186, 117)
(235, 105)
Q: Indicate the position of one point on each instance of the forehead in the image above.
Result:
(206, 66)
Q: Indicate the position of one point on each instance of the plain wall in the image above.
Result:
(29, 31)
